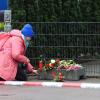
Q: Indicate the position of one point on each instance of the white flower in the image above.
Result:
(53, 61)
(78, 65)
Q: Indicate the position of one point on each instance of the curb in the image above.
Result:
(52, 84)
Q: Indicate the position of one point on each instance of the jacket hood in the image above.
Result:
(16, 33)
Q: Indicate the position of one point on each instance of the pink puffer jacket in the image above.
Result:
(12, 49)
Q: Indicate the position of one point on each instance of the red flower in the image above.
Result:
(57, 60)
(47, 65)
(52, 64)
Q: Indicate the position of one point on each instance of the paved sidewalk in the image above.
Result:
(90, 80)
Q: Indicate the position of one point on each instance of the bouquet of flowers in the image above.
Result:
(49, 65)
(68, 65)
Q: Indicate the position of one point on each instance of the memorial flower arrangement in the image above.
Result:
(54, 66)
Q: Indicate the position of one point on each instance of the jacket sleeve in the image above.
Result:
(17, 47)
(29, 67)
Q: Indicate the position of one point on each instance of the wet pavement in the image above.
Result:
(47, 93)
(8, 92)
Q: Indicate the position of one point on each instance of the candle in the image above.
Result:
(40, 64)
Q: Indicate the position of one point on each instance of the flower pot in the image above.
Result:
(46, 75)
(74, 75)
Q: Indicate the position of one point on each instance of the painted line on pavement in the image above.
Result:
(71, 84)
(90, 85)
(14, 83)
(52, 84)
(32, 84)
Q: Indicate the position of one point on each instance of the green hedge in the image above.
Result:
(55, 10)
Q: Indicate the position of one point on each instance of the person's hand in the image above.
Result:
(28, 60)
(35, 71)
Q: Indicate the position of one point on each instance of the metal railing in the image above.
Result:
(67, 40)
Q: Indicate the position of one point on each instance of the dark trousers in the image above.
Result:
(1, 79)
(21, 72)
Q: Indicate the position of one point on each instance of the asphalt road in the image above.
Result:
(47, 93)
